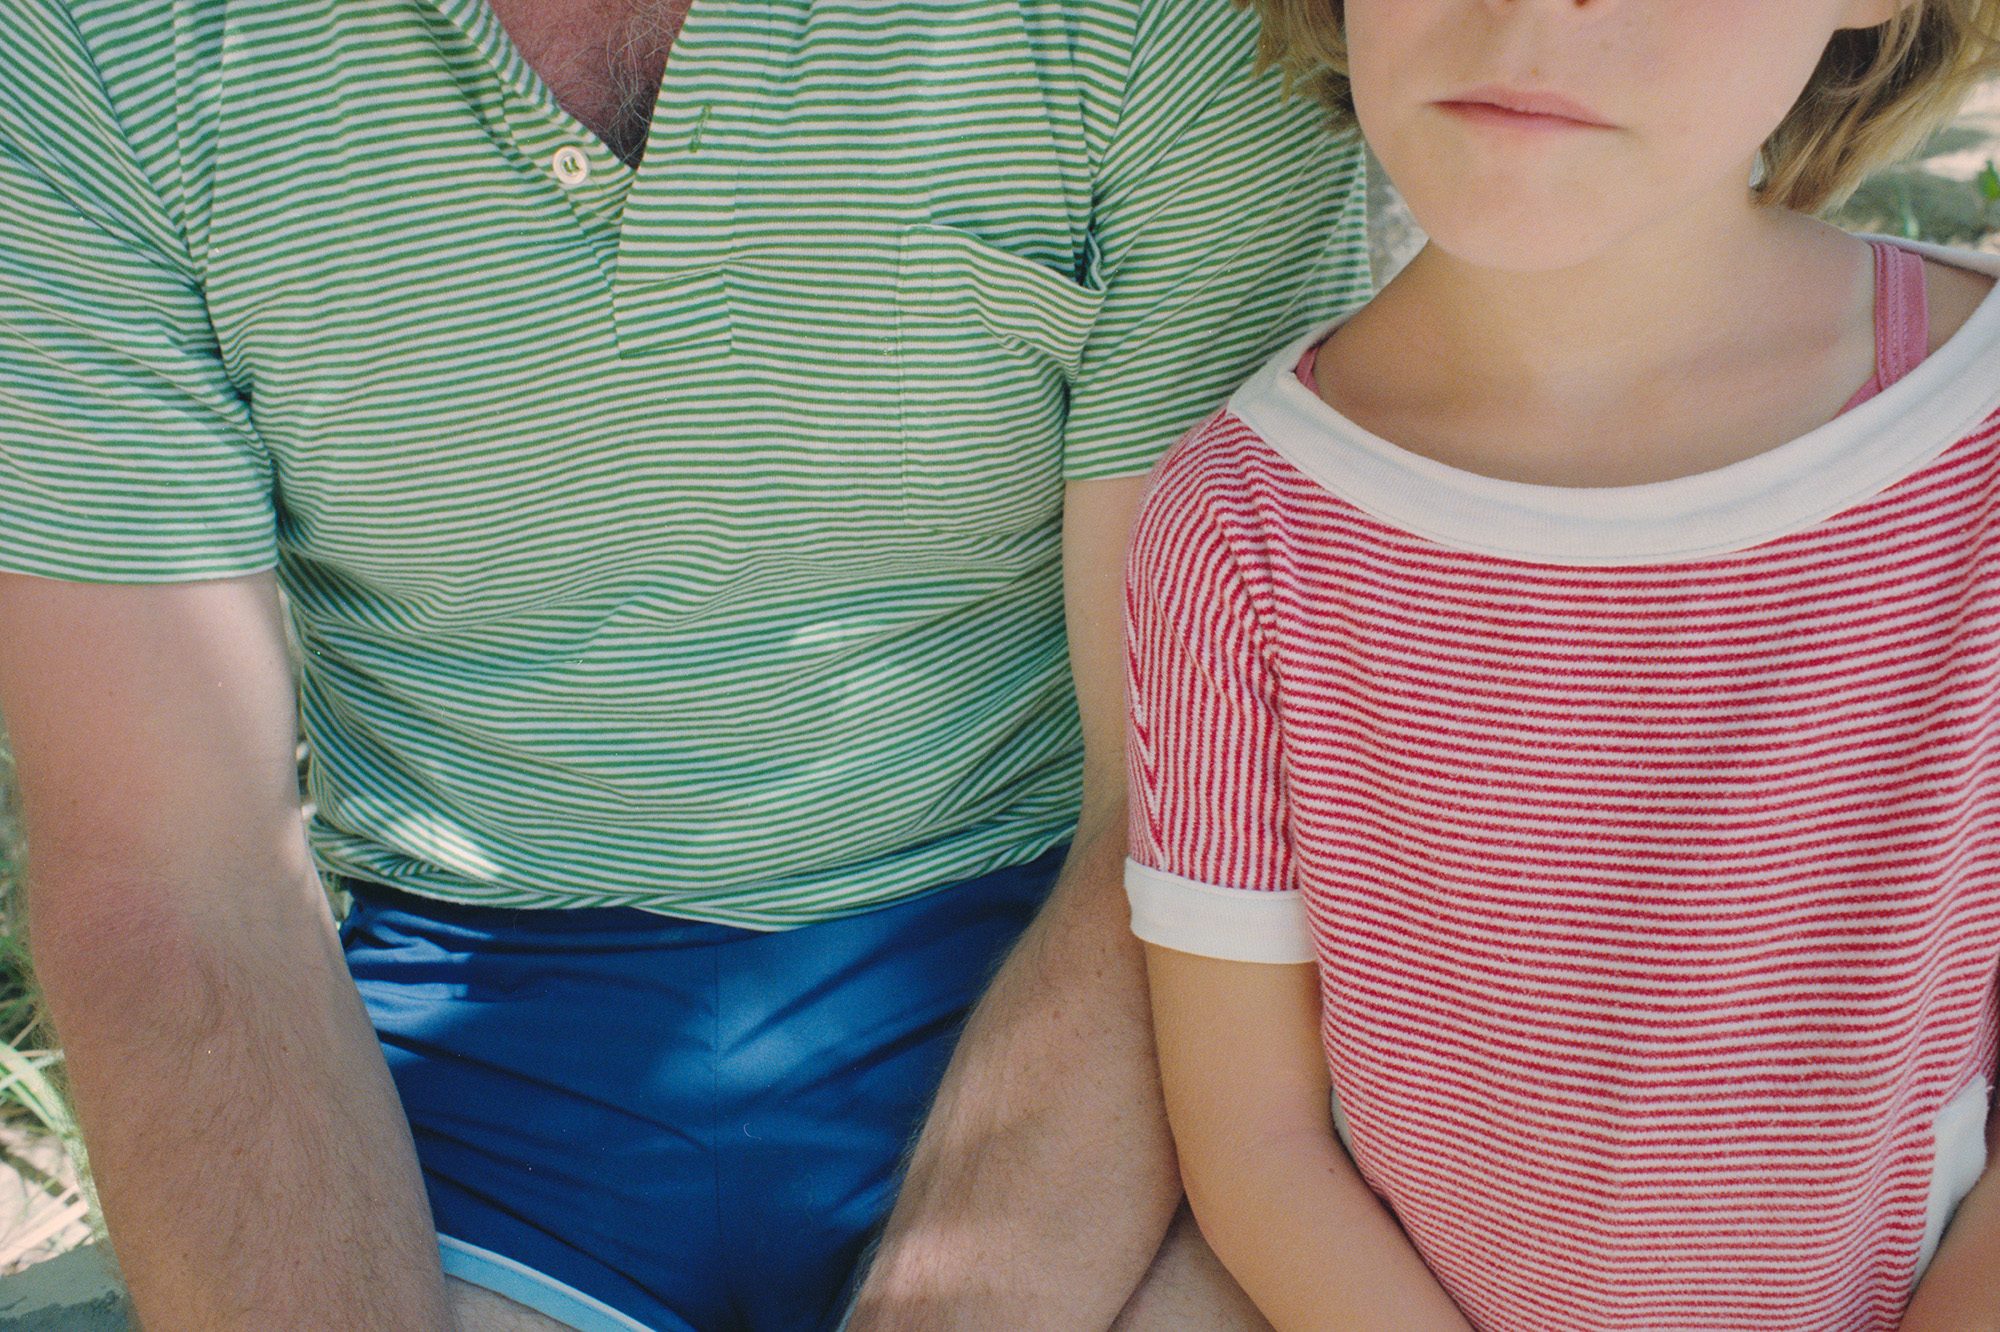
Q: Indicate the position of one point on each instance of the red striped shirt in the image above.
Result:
(1656, 901)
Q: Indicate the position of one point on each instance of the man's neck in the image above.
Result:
(602, 59)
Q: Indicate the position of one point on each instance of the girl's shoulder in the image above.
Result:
(1953, 292)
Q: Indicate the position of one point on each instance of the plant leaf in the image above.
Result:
(23, 1082)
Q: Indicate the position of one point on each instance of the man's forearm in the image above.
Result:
(252, 1158)
(253, 1162)
(1041, 1187)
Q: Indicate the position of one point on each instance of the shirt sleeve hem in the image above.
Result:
(137, 569)
(1233, 924)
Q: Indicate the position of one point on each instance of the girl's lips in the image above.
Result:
(1507, 106)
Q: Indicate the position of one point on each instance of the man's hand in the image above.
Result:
(254, 1166)
(1042, 1185)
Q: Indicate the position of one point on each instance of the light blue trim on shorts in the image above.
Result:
(524, 1285)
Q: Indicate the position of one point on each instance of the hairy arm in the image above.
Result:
(1041, 1186)
(1960, 1291)
(253, 1161)
(1040, 1189)
(1281, 1203)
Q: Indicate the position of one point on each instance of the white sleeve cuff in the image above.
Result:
(1234, 924)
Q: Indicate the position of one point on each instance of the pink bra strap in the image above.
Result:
(1902, 318)
(1902, 312)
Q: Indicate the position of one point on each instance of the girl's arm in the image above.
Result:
(1960, 1291)
(1277, 1197)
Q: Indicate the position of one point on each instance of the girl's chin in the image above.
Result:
(1523, 253)
(1534, 236)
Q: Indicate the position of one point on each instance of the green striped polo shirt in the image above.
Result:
(685, 537)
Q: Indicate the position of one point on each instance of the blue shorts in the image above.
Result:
(631, 1121)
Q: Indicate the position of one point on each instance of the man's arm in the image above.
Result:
(1041, 1186)
(1960, 1291)
(1250, 1100)
(254, 1165)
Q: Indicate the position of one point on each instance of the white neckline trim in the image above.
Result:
(1783, 490)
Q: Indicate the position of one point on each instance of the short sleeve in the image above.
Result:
(1226, 220)
(126, 452)
(1211, 870)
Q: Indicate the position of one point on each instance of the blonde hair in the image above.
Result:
(1875, 96)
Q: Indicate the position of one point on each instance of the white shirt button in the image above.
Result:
(571, 164)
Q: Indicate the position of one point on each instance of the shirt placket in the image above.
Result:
(669, 297)
(588, 176)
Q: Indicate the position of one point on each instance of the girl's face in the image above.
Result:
(1533, 135)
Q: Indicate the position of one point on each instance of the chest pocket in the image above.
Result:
(988, 344)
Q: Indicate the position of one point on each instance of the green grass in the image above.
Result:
(26, 1044)
(33, 1103)
(18, 1018)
